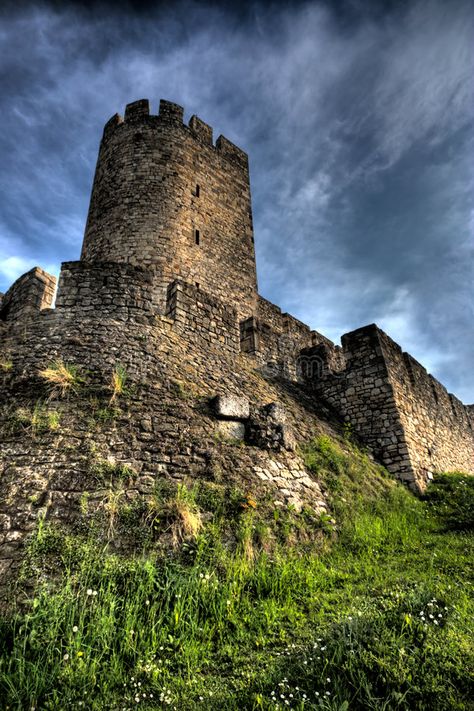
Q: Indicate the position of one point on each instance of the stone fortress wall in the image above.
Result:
(407, 418)
(141, 264)
(30, 293)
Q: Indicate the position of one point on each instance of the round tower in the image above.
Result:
(165, 197)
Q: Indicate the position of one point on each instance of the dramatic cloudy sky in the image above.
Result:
(358, 118)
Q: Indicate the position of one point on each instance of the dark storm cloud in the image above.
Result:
(357, 118)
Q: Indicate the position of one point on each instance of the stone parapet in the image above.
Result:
(409, 420)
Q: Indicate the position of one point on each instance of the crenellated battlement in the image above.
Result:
(138, 112)
(29, 294)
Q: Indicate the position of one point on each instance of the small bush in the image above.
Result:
(175, 512)
(108, 472)
(105, 415)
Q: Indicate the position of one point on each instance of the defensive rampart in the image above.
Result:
(402, 413)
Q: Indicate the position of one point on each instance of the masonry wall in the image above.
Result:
(403, 414)
(106, 290)
(157, 183)
(29, 294)
(276, 338)
(162, 426)
(202, 318)
(363, 396)
(438, 428)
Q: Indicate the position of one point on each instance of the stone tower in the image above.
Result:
(165, 197)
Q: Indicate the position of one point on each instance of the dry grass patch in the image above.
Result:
(62, 378)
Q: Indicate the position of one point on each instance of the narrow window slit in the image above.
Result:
(197, 192)
(197, 237)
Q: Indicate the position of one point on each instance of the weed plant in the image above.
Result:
(118, 383)
(34, 421)
(255, 607)
(5, 364)
(62, 378)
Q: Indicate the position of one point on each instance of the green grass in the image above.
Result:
(35, 421)
(257, 608)
(5, 364)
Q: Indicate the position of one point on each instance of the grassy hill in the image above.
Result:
(229, 601)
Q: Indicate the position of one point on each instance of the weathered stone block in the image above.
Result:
(231, 407)
(232, 429)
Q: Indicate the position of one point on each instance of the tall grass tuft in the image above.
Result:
(118, 383)
(62, 379)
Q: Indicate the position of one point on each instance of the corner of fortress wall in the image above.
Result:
(30, 293)
(405, 416)
(409, 420)
(109, 293)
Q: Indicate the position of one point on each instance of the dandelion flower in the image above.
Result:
(75, 628)
(89, 591)
(66, 657)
